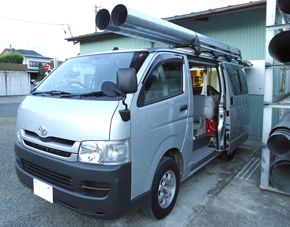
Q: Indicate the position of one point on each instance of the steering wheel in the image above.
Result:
(78, 83)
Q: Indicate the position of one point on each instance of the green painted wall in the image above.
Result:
(244, 30)
(107, 43)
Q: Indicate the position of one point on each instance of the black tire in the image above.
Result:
(165, 182)
(227, 157)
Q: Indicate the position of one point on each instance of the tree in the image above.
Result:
(14, 57)
(41, 72)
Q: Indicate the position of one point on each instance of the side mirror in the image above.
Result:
(127, 80)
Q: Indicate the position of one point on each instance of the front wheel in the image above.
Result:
(164, 189)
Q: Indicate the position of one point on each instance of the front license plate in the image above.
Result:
(43, 190)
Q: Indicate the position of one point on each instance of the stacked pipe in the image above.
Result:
(129, 22)
(279, 145)
(279, 46)
(279, 138)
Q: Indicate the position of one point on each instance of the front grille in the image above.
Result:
(51, 139)
(47, 149)
(48, 175)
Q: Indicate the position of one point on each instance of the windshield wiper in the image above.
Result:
(64, 94)
(52, 92)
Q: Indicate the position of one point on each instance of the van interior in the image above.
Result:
(206, 96)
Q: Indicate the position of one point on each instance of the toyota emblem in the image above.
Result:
(42, 131)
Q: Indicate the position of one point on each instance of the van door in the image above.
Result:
(159, 116)
(237, 105)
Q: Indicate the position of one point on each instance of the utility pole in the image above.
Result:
(69, 29)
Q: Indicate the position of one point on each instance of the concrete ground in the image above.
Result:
(242, 203)
(220, 194)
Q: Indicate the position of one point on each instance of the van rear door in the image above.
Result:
(237, 105)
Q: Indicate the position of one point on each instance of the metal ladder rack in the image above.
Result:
(269, 103)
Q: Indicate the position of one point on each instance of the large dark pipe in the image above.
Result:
(284, 7)
(279, 138)
(279, 47)
(129, 22)
(280, 173)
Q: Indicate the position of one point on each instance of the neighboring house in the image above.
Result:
(31, 59)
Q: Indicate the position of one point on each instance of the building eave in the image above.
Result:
(36, 56)
(89, 36)
(213, 12)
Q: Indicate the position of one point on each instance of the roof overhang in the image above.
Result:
(218, 11)
(89, 36)
(36, 56)
(191, 16)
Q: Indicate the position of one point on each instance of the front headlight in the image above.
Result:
(104, 152)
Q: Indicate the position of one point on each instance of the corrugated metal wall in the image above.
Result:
(245, 30)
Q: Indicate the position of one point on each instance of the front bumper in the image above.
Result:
(93, 190)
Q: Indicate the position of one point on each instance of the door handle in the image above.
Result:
(183, 108)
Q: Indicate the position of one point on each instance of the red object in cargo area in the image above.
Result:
(210, 126)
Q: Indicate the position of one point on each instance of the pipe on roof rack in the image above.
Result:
(129, 22)
(103, 22)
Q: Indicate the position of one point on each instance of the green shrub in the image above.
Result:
(15, 57)
(41, 72)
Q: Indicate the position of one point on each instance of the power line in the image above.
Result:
(34, 22)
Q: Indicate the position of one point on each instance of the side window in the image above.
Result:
(243, 79)
(164, 80)
(238, 79)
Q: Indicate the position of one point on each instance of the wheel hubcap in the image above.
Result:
(167, 188)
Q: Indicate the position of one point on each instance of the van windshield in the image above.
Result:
(86, 74)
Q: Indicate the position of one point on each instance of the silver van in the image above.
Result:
(109, 133)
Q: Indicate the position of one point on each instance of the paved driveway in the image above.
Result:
(19, 207)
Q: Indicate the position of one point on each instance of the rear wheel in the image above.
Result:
(227, 157)
(164, 189)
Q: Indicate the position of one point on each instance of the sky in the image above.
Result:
(43, 25)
